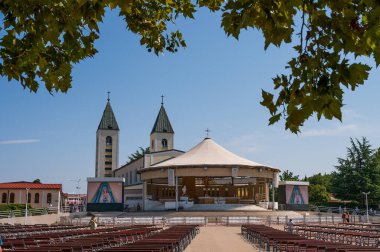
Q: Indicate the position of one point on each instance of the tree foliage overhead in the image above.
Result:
(357, 173)
(41, 40)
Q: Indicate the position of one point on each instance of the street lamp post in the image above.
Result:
(366, 203)
(77, 200)
(26, 205)
(78, 195)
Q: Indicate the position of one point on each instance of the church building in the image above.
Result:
(206, 174)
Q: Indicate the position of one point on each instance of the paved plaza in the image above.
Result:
(219, 239)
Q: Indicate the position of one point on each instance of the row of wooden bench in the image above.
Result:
(80, 240)
(19, 231)
(341, 227)
(140, 238)
(173, 239)
(277, 240)
(356, 236)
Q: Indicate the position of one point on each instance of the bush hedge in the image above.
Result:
(14, 207)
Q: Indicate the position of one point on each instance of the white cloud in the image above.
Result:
(352, 114)
(20, 141)
(339, 130)
(245, 144)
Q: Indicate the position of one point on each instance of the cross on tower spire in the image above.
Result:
(162, 99)
(108, 97)
(207, 132)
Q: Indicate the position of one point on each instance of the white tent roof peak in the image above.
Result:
(208, 153)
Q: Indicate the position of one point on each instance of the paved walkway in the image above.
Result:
(219, 239)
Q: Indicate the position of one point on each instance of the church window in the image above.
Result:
(164, 143)
(130, 177)
(48, 198)
(108, 162)
(108, 150)
(108, 156)
(37, 198)
(108, 140)
(4, 198)
(29, 198)
(12, 198)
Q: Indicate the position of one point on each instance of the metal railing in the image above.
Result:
(321, 218)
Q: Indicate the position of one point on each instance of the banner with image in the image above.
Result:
(104, 192)
(297, 194)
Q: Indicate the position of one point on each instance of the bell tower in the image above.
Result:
(107, 144)
(162, 134)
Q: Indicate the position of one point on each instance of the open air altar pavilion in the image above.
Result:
(207, 174)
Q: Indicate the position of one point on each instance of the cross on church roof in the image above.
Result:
(162, 99)
(108, 97)
(207, 132)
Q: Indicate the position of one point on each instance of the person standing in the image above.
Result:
(348, 217)
(344, 217)
(290, 226)
(93, 224)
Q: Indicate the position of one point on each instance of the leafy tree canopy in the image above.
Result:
(140, 152)
(40, 40)
(357, 173)
(288, 176)
(37, 181)
(318, 194)
(319, 179)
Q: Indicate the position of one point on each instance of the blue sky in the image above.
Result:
(214, 83)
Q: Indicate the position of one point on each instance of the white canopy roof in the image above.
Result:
(208, 153)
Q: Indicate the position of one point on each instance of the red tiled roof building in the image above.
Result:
(38, 195)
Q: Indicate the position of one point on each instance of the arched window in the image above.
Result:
(48, 198)
(108, 141)
(37, 198)
(29, 198)
(164, 143)
(4, 198)
(12, 198)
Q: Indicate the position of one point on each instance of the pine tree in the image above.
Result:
(358, 172)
